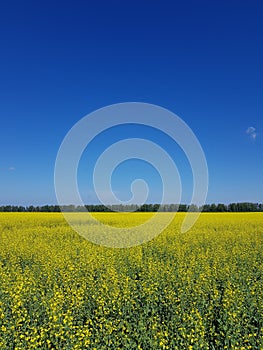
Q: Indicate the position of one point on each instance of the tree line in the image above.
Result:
(232, 207)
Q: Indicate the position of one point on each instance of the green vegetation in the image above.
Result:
(199, 290)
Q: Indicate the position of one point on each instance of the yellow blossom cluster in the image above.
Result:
(196, 290)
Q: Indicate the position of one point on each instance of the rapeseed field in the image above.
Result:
(196, 290)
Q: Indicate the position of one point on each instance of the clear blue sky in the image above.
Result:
(61, 60)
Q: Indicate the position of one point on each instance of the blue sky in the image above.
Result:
(62, 60)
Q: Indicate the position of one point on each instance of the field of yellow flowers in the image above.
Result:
(197, 290)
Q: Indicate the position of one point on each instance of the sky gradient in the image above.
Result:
(201, 60)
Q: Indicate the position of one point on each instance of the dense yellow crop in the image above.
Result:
(198, 290)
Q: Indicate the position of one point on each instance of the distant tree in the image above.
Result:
(221, 207)
(182, 207)
(21, 209)
(193, 208)
(206, 208)
(31, 208)
(213, 207)
(156, 207)
(232, 207)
